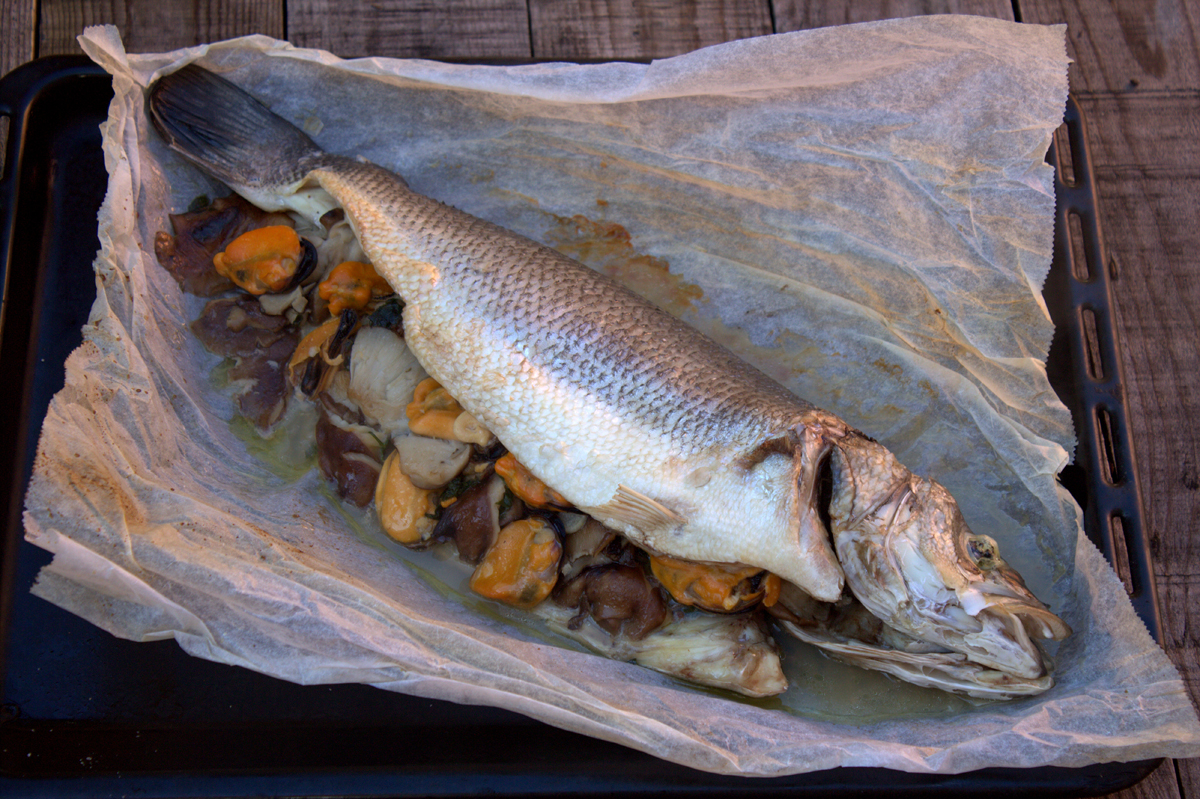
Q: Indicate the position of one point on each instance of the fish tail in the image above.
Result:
(228, 133)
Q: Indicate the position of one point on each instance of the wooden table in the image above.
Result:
(1136, 77)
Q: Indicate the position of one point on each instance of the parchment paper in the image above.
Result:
(864, 212)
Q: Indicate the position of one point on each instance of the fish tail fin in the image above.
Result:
(229, 134)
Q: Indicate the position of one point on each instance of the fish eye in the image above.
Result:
(983, 551)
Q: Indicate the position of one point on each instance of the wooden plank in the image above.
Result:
(16, 47)
(1143, 132)
(1161, 784)
(585, 29)
(795, 15)
(1189, 777)
(467, 29)
(1126, 45)
(1146, 162)
(17, 36)
(157, 26)
(1148, 180)
(1136, 69)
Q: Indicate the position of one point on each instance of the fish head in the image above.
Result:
(848, 632)
(911, 559)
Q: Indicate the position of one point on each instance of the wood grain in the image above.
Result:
(1161, 784)
(492, 29)
(17, 36)
(585, 29)
(17, 45)
(795, 15)
(1126, 45)
(156, 26)
(1189, 778)
(1136, 71)
(1146, 162)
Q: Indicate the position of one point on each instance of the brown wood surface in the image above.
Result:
(1127, 44)
(581, 29)
(496, 29)
(795, 15)
(1136, 76)
(17, 38)
(150, 25)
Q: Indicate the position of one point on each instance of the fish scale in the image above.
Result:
(634, 417)
(616, 392)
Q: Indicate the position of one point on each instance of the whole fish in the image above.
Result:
(631, 415)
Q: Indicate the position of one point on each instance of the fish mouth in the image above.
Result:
(946, 671)
(850, 633)
(1039, 623)
(1010, 636)
(917, 584)
(1014, 624)
(996, 624)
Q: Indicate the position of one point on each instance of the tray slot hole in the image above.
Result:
(3, 142)
(1119, 535)
(1066, 159)
(1091, 344)
(1080, 264)
(1106, 435)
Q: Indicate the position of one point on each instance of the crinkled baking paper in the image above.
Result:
(864, 212)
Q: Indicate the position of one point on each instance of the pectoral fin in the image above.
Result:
(639, 511)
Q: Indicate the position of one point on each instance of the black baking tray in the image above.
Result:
(87, 714)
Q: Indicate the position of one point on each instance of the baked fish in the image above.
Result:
(632, 416)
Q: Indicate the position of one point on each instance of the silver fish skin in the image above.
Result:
(634, 417)
(630, 414)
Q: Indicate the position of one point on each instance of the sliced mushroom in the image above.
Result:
(238, 327)
(260, 344)
(572, 522)
(348, 455)
(587, 547)
(262, 388)
(199, 235)
(473, 519)
(383, 375)
(619, 598)
(430, 462)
